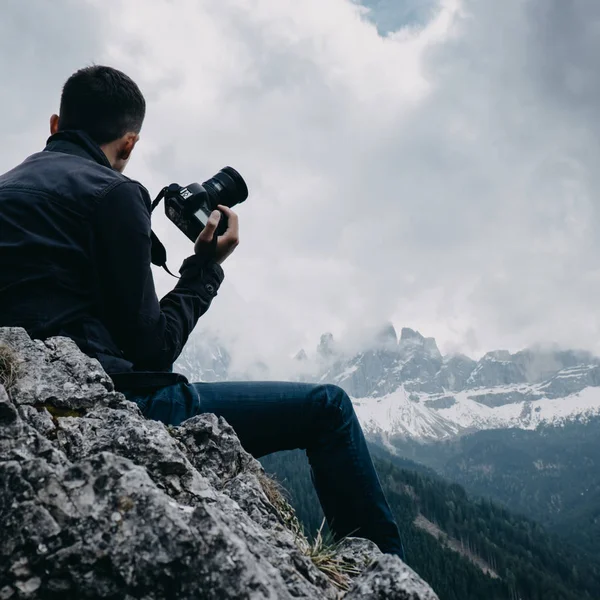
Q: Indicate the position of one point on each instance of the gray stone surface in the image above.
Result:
(98, 502)
(443, 402)
(455, 372)
(56, 372)
(502, 398)
(358, 552)
(388, 578)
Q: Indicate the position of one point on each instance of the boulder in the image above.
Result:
(98, 502)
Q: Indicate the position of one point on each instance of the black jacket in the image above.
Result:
(75, 253)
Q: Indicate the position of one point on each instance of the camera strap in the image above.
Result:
(158, 252)
(159, 197)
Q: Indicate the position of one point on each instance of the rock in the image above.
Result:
(301, 355)
(386, 336)
(503, 398)
(326, 348)
(570, 381)
(412, 342)
(370, 373)
(388, 578)
(98, 502)
(358, 552)
(410, 335)
(495, 369)
(214, 449)
(55, 372)
(440, 403)
(8, 411)
(204, 358)
(455, 372)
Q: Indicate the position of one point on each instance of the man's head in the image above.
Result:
(108, 106)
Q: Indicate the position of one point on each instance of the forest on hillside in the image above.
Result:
(501, 555)
(551, 474)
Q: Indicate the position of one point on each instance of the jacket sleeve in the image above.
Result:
(150, 333)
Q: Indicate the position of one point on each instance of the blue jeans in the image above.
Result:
(272, 416)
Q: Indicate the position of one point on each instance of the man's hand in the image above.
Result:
(227, 242)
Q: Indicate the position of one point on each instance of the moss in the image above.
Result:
(9, 366)
(125, 504)
(57, 412)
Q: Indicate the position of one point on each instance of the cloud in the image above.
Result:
(436, 167)
(41, 44)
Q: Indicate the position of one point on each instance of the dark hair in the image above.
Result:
(103, 102)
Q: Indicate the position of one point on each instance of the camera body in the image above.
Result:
(190, 207)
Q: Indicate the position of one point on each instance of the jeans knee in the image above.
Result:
(335, 402)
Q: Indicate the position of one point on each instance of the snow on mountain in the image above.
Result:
(526, 414)
(204, 359)
(405, 387)
(410, 390)
(396, 414)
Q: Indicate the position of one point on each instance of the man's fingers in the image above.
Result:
(226, 243)
(207, 234)
(233, 226)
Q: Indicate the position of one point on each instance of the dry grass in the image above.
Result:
(9, 366)
(322, 551)
(275, 495)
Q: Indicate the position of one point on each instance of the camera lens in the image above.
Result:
(227, 187)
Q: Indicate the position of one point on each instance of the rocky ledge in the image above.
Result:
(98, 502)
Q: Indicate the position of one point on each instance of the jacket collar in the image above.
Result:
(81, 144)
(78, 143)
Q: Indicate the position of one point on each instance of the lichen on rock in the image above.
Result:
(98, 502)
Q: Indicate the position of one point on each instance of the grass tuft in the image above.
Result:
(275, 493)
(323, 550)
(9, 366)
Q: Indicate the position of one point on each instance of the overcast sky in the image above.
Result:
(431, 163)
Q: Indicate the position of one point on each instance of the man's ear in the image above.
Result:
(127, 145)
(53, 124)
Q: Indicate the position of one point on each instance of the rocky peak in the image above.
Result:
(410, 335)
(387, 336)
(383, 368)
(204, 358)
(413, 340)
(98, 502)
(456, 371)
(326, 349)
(430, 346)
(301, 355)
(497, 368)
(498, 355)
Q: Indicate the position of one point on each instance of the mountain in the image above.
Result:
(407, 389)
(204, 358)
(467, 548)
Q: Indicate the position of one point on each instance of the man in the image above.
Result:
(75, 261)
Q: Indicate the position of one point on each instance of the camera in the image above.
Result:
(190, 207)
